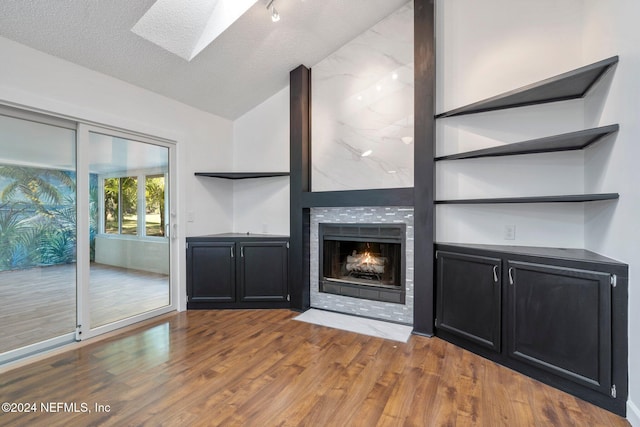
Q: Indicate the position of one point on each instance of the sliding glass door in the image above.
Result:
(38, 232)
(85, 221)
(128, 252)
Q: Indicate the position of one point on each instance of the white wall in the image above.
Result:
(611, 28)
(484, 49)
(137, 254)
(488, 47)
(42, 82)
(261, 144)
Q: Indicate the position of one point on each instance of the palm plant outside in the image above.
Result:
(37, 217)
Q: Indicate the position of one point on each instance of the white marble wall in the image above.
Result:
(362, 101)
(402, 313)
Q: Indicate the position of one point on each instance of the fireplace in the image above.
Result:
(363, 261)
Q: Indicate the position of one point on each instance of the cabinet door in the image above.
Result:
(560, 321)
(468, 300)
(263, 271)
(211, 272)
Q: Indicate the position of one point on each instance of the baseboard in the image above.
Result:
(633, 414)
(422, 334)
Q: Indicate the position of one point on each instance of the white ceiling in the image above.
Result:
(245, 65)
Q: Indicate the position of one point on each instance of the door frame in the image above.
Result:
(84, 330)
(20, 113)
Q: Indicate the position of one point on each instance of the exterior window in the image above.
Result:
(112, 205)
(154, 206)
(127, 212)
(129, 204)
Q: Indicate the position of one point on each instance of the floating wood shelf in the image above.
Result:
(564, 142)
(572, 198)
(570, 85)
(241, 175)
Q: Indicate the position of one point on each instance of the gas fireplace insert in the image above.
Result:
(363, 260)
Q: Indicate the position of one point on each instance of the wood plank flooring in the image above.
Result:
(262, 368)
(40, 303)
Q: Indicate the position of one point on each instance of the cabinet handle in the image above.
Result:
(231, 251)
(241, 251)
(511, 275)
(495, 273)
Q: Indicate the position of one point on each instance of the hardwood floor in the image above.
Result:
(40, 303)
(261, 368)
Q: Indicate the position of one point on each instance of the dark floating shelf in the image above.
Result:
(241, 175)
(564, 142)
(572, 198)
(570, 85)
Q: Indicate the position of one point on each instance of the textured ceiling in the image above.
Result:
(245, 65)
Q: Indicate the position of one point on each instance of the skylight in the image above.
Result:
(186, 28)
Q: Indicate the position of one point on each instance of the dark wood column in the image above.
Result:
(421, 197)
(424, 169)
(300, 164)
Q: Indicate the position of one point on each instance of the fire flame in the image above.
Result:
(365, 263)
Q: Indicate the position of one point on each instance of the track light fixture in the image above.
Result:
(275, 16)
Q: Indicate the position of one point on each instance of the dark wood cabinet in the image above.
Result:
(211, 272)
(263, 271)
(237, 271)
(560, 321)
(557, 315)
(469, 297)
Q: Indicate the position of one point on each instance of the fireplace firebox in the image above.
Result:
(363, 261)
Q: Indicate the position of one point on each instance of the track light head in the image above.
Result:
(275, 16)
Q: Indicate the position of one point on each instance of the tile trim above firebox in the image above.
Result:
(401, 313)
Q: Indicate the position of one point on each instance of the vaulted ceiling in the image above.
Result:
(246, 64)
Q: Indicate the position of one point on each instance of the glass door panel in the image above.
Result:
(38, 233)
(129, 270)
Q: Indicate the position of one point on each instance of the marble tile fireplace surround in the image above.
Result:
(401, 310)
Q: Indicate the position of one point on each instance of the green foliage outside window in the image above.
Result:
(124, 192)
(38, 216)
(154, 198)
(38, 213)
